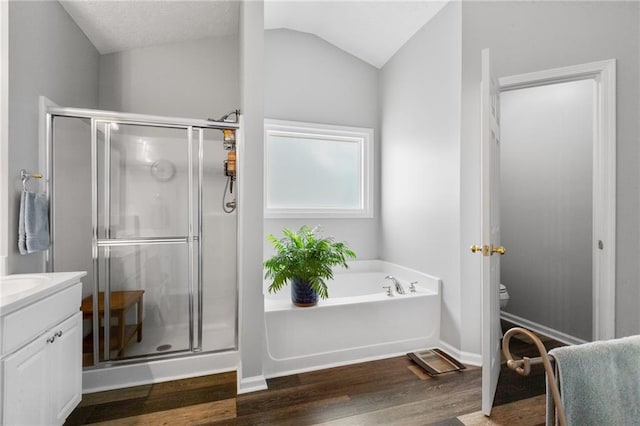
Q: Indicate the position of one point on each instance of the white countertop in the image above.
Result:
(19, 290)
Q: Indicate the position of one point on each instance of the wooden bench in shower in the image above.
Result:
(120, 334)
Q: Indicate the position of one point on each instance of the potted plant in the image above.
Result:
(305, 260)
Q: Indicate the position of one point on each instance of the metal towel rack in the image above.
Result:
(25, 176)
(523, 367)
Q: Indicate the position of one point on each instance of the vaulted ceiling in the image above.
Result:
(370, 30)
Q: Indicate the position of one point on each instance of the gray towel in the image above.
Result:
(22, 235)
(600, 382)
(33, 223)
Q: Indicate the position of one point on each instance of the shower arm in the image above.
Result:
(225, 118)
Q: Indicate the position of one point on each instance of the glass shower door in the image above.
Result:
(145, 183)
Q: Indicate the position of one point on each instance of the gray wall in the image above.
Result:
(72, 225)
(420, 121)
(250, 232)
(196, 79)
(4, 134)
(48, 55)
(531, 36)
(546, 209)
(307, 79)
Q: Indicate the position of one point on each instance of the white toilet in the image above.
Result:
(504, 296)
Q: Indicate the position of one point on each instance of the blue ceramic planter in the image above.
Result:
(302, 294)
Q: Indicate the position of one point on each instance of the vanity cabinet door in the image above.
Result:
(26, 388)
(65, 368)
(43, 380)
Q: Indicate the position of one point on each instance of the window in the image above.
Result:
(317, 170)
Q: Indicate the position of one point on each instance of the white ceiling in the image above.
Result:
(370, 30)
(115, 26)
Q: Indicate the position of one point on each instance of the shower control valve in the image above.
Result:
(412, 286)
(388, 288)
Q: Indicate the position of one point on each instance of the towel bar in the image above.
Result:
(523, 367)
(25, 176)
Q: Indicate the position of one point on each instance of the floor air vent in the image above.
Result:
(435, 361)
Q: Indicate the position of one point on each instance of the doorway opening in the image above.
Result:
(558, 200)
(602, 247)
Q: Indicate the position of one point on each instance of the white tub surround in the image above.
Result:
(358, 321)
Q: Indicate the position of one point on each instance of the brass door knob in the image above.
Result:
(500, 250)
(484, 250)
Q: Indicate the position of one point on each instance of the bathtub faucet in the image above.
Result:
(399, 288)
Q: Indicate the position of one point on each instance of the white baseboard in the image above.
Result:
(542, 329)
(251, 384)
(468, 358)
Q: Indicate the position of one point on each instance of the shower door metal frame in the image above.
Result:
(97, 117)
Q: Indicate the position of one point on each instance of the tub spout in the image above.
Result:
(399, 288)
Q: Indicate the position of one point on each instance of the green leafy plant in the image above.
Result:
(307, 257)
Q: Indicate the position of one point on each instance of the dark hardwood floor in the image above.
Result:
(392, 391)
(379, 392)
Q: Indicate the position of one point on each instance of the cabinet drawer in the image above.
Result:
(24, 325)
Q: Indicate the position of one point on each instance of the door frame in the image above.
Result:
(603, 73)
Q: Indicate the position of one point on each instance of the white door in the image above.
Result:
(491, 249)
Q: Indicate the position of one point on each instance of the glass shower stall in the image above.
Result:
(145, 205)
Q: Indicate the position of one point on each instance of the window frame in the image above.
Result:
(363, 136)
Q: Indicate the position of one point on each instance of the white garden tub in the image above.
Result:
(357, 322)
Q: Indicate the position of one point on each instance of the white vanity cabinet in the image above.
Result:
(41, 355)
